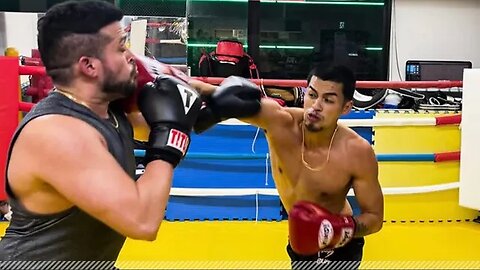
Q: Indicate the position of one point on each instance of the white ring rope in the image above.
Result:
(201, 192)
(418, 121)
(377, 122)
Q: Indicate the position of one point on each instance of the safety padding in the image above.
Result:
(181, 208)
(416, 205)
(225, 173)
(437, 206)
(242, 172)
(365, 132)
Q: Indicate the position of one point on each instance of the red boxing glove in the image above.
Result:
(148, 69)
(313, 228)
(279, 101)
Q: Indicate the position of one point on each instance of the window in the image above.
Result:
(288, 37)
(167, 8)
(296, 36)
(30, 5)
(211, 21)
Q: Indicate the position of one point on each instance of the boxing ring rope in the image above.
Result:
(25, 106)
(421, 121)
(387, 122)
(35, 70)
(360, 84)
(31, 70)
(434, 157)
(11, 104)
(222, 192)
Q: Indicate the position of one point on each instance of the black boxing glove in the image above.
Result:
(236, 97)
(170, 107)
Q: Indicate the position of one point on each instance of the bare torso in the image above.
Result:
(327, 187)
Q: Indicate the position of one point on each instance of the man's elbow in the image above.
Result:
(145, 228)
(146, 232)
(378, 225)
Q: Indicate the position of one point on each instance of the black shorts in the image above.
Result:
(346, 257)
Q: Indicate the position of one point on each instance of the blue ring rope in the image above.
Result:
(405, 157)
(216, 156)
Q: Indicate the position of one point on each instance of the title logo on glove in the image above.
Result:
(178, 140)
(325, 234)
(188, 96)
(347, 235)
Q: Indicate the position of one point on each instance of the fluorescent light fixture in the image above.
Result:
(208, 45)
(238, 1)
(213, 45)
(202, 45)
(295, 47)
(311, 2)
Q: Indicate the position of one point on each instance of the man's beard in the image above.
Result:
(312, 128)
(119, 89)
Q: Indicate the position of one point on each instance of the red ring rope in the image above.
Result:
(448, 120)
(360, 84)
(447, 156)
(32, 70)
(25, 106)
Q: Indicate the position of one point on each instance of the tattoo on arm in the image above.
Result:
(360, 228)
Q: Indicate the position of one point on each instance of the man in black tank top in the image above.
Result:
(70, 166)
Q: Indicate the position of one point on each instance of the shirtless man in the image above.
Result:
(315, 162)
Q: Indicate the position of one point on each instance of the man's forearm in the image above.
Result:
(205, 89)
(367, 223)
(153, 189)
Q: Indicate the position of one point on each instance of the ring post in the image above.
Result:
(10, 51)
(9, 97)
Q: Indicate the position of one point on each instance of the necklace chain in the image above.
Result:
(115, 125)
(319, 168)
(74, 99)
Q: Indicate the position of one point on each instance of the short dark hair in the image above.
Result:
(339, 74)
(69, 30)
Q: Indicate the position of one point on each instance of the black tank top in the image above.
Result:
(72, 235)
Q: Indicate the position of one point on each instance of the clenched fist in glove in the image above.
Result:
(313, 228)
(170, 107)
(236, 97)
